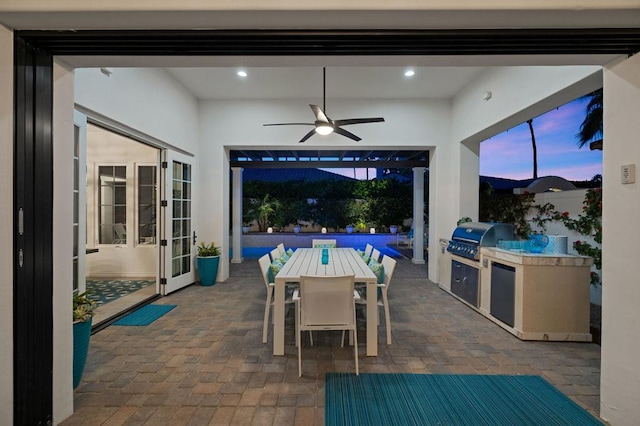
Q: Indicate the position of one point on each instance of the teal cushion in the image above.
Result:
(284, 258)
(410, 233)
(377, 269)
(329, 245)
(366, 259)
(273, 270)
(360, 252)
(289, 252)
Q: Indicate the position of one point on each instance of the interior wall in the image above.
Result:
(63, 143)
(128, 260)
(6, 226)
(620, 376)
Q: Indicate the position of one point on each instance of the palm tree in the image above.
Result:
(535, 149)
(591, 127)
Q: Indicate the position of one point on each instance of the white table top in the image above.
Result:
(342, 261)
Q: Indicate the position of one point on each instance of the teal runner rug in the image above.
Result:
(447, 399)
(145, 315)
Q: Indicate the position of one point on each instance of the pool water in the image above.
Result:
(258, 252)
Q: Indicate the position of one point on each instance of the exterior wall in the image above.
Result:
(148, 100)
(62, 241)
(233, 124)
(6, 226)
(128, 260)
(620, 376)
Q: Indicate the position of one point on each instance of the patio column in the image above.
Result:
(236, 217)
(418, 215)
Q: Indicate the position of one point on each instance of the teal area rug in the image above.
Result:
(105, 291)
(447, 399)
(145, 315)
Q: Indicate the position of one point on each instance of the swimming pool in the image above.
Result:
(257, 252)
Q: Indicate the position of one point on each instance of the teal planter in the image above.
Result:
(208, 269)
(81, 337)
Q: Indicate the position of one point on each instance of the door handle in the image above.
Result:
(195, 238)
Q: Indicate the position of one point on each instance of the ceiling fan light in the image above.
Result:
(324, 129)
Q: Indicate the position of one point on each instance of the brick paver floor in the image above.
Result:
(204, 362)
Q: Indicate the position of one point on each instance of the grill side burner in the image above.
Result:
(468, 238)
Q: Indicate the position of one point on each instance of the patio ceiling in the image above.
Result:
(364, 158)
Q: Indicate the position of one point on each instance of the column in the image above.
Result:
(418, 215)
(236, 217)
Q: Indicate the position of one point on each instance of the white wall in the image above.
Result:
(6, 226)
(228, 124)
(518, 93)
(620, 375)
(63, 143)
(128, 260)
(148, 100)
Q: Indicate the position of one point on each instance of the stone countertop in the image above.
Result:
(536, 259)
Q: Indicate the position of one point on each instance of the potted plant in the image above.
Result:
(297, 228)
(83, 312)
(349, 228)
(246, 227)
(207, 261)
(393, 229)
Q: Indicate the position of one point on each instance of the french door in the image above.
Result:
(179, 226)
(79, 201)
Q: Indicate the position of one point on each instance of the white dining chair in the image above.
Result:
(389, 265)
(375, 255)
(368, 249)
(290, 297)
(327, 303)
(281, 249)
(275, 254)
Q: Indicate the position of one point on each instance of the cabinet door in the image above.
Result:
(470, 285)
(457, 276)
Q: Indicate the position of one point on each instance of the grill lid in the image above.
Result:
(468, 237)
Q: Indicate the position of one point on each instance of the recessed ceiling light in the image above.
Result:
(409, 73)
(241, 73)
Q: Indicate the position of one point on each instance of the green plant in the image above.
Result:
(208, 250)
(83, 307)
(464, 219)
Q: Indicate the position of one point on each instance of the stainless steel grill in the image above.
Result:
(469, 237)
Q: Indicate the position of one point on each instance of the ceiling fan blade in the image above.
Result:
(348, 121)
(320, 116)
(307, 136)
(289, 124)
(349, 135)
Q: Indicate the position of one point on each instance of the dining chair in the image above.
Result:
(327, 303)
(389, 265)
(375, 255)
(368, 249)
(281, 249)
(275, 254)
(324, 243)
(290, 297)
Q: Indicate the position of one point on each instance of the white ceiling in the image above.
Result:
(341, 82)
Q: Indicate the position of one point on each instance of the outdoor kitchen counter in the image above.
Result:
(536, 259)
(547, 296)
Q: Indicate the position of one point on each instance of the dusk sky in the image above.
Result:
(509, 154)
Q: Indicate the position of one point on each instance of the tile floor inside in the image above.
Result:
(204, 362)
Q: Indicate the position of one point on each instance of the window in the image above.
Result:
(112, 202)
(147, 204)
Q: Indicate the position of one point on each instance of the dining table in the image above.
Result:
(340, 261)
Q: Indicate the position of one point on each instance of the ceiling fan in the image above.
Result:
(323, 124)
